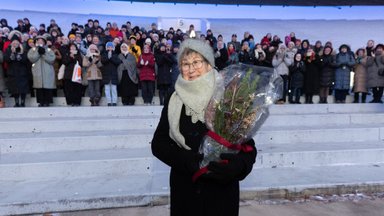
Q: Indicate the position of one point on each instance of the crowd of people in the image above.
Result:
(118, 61)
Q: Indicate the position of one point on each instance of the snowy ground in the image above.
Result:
(357, 204)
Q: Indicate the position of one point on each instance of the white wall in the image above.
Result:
(194, 11)
(344, 28)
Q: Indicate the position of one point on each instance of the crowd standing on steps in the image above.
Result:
(117, 61)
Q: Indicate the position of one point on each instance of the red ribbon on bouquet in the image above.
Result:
(226, 143)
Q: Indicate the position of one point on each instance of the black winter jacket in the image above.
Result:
(203, 197)
(109, 68)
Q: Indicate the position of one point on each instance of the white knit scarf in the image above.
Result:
(195, 95)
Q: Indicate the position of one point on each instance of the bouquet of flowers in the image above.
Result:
(238, 108)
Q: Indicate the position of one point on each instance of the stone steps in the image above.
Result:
(78, 158)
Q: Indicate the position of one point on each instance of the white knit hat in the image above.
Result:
(199, 46)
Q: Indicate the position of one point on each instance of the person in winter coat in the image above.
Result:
(134, 49)
(312, 75)
(370, 49)
(180, 132)
(374, 80)
(360, 77)
(73, 90)
(221, 56)
(233, 56)
(236, 44)
(327, 73)
(281, 62)
(147, 74)
(245, 54)
(92, 65)
(296, 74)
(110, 62)
(16, 58)
(164, 62)
(127, 76)
(259, 55)
(43, 73)
(175, 66)
(2, 81)
(344, 65)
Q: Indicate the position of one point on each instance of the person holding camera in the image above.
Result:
(92, 64)
(43, 73)
(17, 69)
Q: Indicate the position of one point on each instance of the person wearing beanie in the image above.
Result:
(134, 49)
(147, 77)
(110, 61)
(327, 73)
(43, 74)
(41, 29)
(16, 58)
(127, 76)
(375, 67)
(92, 65)
(180, 132)
(344, 65)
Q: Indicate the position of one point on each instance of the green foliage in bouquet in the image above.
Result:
(236, 112)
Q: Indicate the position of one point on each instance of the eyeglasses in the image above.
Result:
(197, 64)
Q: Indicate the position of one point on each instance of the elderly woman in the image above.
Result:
(178, 136)
(128, 76)
(44, 78)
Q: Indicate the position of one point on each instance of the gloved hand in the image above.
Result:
(134, 49)
(146, 63)
(142, 62)
(226, 172)
(41, 50)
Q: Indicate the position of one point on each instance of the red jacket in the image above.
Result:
(147, 72)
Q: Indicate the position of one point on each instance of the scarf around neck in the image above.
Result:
(195, 96)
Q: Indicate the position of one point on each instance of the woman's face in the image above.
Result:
(124, 48)
(298, 57)
(193, 66)
(327, 51)
(146, 49)
(230, 47)
(360, 53)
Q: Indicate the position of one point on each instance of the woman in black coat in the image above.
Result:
(327, 73)
(18, 78)
(180, 132)
(296, 76)
(311, 76)
(73, 90)
(164, 62)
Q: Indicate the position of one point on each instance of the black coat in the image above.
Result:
(327, 73)
(246, 57)
(70, 63)
(312, 76)
(221, 61)
(204, 197)
(18, 77)
(296, 74)
(109, 68)
(164, 68)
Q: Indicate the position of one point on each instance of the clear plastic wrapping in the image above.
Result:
(238, 107)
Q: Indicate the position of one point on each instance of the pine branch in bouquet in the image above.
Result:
(235, 112)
